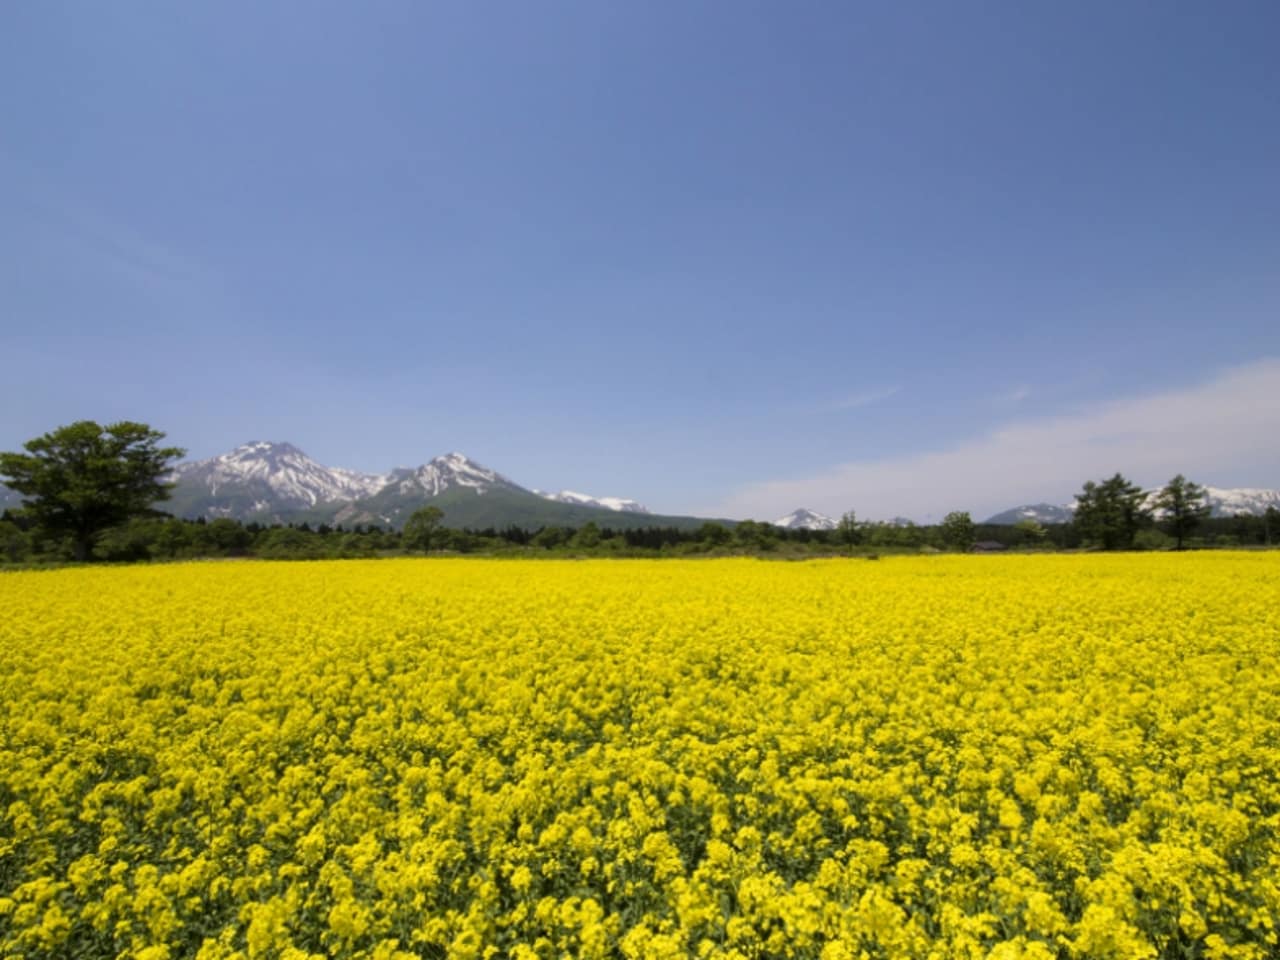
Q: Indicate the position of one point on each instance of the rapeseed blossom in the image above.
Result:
(988, 758)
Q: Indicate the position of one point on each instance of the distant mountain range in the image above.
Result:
(1039, 512)
(584, 500)
(1251, 501)
(804, 519)
(276, 482)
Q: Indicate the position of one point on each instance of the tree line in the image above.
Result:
(91, 493)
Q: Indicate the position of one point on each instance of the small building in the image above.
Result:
(988, 546)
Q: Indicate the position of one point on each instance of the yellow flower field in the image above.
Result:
(965, 757)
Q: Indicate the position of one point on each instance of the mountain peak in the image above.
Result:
(275, 481)
(450, 470)
(265, 448)
(456, 460)
(617, 504)
(805, 519)
(1037, 512)
(263, 475)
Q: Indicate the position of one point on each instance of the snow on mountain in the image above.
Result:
(804, 519)
(287, 474)
(618, 504)
(1249, 500)
(277, 482)
(443, 473)
(1223, 502)
(1039, 512)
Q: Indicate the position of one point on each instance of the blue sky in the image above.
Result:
(896, 257)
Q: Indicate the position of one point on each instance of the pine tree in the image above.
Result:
(1109, 514)
(848, 530)
(1181, 505)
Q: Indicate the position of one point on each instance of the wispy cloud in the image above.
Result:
(1221, 431)
(865, 398)
(1015, 396)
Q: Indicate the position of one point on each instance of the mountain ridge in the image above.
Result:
(805, 519)
(1222, 501)
(618, 504)
(276, 482)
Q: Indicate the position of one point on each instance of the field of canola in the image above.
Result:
(965, 757)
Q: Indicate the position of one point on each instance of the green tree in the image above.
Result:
(80, 480)
(287, 543)
(224, 537)
(128, 542)
(714, 534)
(423, 529)
(548, 538)
(1030, 531)
(848, 530)
(1270, 524)
(958, 531)
(1110, 514)
(459, 540)
(587, 537)
(756, 535)
(14, 543)
(174, 539)
(1181, 505)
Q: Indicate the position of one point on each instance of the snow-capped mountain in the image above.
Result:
(1038, 512)
(617, 504)
(266, 477)
(804, 519)
(1222, 501)
(277, 482)
(1248, 500)
(451, 471)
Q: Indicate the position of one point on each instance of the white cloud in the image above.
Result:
(1221, 432)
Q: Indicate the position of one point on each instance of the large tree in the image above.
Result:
(422, 532)
(82, 479)
(1181, 505)
(958, 531)
(848, 530)
(1109, 514)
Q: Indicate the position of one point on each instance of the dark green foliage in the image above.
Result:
(1030, 532)
(897, 534)
(549, 538)
(958, 531)
(848, 530)
(714, 534)
(81, 480)
(422, 532)
(755, 535)
(127, 542)
(15, 545)
(1110, 514)
(223, 538)
(588, 537)
(1182, 505)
